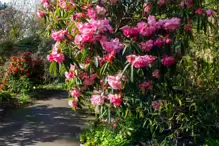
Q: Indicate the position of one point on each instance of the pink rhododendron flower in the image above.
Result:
(168, 61)
(159, 43)
(146, 30)
(141, 61)
(73, 103)
(146, 86)
(41, 14)
(97, 99)
(92, 13)
(157, 104)
(147, 46)
(189, 3)
(113, 45)
(69, 75)
(172, 24)
(79, 16)
(56, 56)
(67, 6)
(59, 58)
(115, 99)
(110, 57)
(210, 13)
(147, 8)
(102, 25)
(200, 11)
(151, 20)
(162, 3)
(114, 126)
(130, 32)
(75, 93)
(87, 28)
(182, 4)
(115, 81)
(46, 3)
(90, 80)
(169, 41)
(84, 38)
(188, 27)
(100, 10)
(59, 36)
(156, 74)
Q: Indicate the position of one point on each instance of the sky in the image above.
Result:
(4, 1)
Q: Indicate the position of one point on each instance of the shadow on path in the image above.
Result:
(47, 121)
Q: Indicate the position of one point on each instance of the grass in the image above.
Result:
(53, 86)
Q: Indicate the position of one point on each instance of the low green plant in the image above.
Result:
(102, 136)
(25, 99)
(53, 86)
(6, 48)
(7, 101)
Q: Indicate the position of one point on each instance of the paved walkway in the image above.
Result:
(47, 123)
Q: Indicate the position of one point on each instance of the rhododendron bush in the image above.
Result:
(24, 72)
(112, 52)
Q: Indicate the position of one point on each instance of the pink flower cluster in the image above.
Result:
(168, 61)
(56, 55)
(59, 36)
(188, 3)
(201, 12)
(41, 14)
(90, 32)
(156, 74)
(89, 81)
(147, 46)
(150, 28)
(146, 86)
(67, 6)
(97, 99)
(157, 104)
(112, 45)
(71, 74)
(130, 32)
(115, 100)
(73, 103)
(75, 93)
(46, 3)
(115, 81)
(93, 13)
(141, 61)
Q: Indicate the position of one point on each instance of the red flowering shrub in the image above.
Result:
(23, 69)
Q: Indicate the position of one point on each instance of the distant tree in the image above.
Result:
(17, 23)
(3, 6)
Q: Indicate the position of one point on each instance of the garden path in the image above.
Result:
(49, 122)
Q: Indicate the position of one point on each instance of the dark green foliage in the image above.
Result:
(29, 44)
(6, 48)
(6, 100)
(102, 136)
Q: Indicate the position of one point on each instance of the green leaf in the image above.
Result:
(53, 69)
(125, 68)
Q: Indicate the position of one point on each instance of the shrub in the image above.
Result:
(7, 101)
(116, 53)
(24, 73)
(6, 48)
(103, 136)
